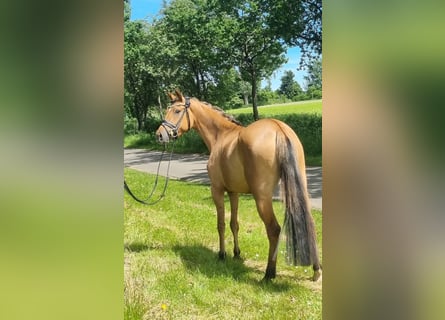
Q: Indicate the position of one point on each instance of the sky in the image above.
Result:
(148, 9)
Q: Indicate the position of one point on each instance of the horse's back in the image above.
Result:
(258, 144)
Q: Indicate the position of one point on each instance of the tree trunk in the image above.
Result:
(198, 85)
(246, 98)
(140, 123)
(254, 98)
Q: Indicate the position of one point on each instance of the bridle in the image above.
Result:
(170, 127)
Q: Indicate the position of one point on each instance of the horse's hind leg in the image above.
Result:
(273, 229)
(234, 222)
(218, 199)
(317, 272)
(317, 269)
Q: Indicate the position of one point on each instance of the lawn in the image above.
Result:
(312, 106)
(171, 265)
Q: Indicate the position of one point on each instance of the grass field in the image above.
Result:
(171, 265)
(313, 106)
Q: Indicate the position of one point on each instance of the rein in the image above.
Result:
(172, 130)
(167, 178)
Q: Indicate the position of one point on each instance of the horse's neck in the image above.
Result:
(211, 125)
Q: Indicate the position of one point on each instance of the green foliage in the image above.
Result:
(257, 50)
(234, 103)
(139, 82)
(314, 79)
(226, 92)
(195, 45)
(130, 126)
(267, 96)
(171, 265)
(313, 93)
(191, 142)
(142, 140)
(289, 87)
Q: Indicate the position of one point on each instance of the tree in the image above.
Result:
(150, 68)
(289, 87)
(198, 33)
(139, 83)
(262, 31)
(224, 91)
(310, 39)
(298, 23)
(197, 44)
(314, 79)
(246, 90)
(255, 49)
(267, 96)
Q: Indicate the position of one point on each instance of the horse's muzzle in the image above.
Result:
(163, 136)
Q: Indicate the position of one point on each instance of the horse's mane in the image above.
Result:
(225, 115)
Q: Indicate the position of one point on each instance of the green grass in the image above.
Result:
(171, 265)
(313, 106)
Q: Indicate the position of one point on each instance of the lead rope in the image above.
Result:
(167, 178)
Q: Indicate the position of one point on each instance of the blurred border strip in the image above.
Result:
(383, 204)
(61, 196)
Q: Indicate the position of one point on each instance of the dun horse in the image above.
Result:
(251, 159)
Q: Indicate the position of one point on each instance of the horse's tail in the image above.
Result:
(298, 222)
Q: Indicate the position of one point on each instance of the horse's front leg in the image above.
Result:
(234, 197)
(218, 199)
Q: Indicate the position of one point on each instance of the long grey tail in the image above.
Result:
(298, 222)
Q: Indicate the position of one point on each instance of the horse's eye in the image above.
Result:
(177, 110)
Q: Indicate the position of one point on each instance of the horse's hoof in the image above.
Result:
(267, 279)
(222, 255)
(238, 258)
(317, 275)
(237, 255)
(269, 275)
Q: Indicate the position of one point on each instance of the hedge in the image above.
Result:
(307, 126)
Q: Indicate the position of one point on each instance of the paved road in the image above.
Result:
(193, 167)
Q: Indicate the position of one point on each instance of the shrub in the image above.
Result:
(307, 126)
(130, 126)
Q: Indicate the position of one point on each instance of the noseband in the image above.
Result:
(171, 128)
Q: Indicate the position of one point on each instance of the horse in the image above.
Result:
(251, 160)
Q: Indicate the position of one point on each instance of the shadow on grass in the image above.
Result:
(136, 247)
(141, 247)
(199, 259)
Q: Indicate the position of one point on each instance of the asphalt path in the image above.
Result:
(193, 168)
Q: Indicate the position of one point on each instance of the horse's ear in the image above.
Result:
(171, 96)
(179, 95)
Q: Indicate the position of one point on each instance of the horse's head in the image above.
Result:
(176, 119)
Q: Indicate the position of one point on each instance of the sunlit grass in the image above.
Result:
(171, 265)
(312, 106)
